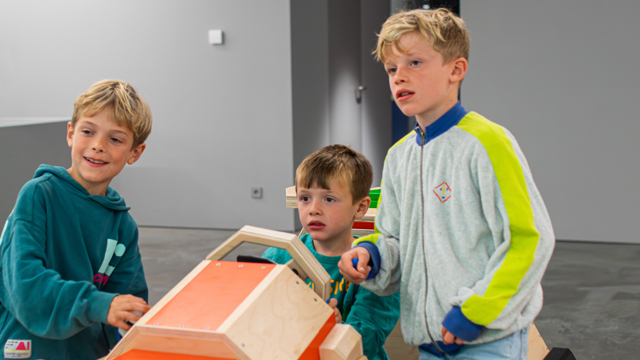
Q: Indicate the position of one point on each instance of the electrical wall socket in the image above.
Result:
(256, 192)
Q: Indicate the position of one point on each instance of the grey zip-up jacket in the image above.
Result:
(461, 231)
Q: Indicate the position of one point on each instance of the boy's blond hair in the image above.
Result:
(127, 108)
(445, 31)
(336, 162)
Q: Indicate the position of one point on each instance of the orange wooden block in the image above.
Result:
(233, 310)
(218, 283)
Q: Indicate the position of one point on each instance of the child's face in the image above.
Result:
(328, 215)
(99, 150)
(421, 84)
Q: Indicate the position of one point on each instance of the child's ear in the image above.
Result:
(69, 134)
(459, 69)
(135, 153)
(363, 206)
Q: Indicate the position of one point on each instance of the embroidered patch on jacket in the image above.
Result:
(17, 349)
(443, 192)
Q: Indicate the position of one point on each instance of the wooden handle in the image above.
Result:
(302, 261)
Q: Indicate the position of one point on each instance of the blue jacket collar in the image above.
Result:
(450, 119)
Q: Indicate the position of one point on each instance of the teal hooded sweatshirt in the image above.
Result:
(64, 256)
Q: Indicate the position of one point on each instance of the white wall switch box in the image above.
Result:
(215, 37)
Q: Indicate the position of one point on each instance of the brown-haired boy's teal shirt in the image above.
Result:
(373, 316)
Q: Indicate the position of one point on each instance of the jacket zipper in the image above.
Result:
(422, 220)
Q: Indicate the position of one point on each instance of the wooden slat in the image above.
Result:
(290, 196)
(370, 215)
(342, 343)
(538, 350)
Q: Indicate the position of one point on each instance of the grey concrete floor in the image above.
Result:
(592, 291)
(592, 300)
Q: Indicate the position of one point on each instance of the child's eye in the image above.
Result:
(304, 198)
(391, 70)
(86, 132)
(116, 140)
(415, 63)
(329, 199)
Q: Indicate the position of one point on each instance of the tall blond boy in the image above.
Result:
(332, 189)
(462, 230)
(70, 248)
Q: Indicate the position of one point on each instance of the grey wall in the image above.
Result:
(332, 42)
(222, 114)
(376, 100)
(23, 149)
(344, 73)
(310, 84)
(563, 77)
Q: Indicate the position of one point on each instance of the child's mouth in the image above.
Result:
(316, 225)
(94, 161)
(403, 95)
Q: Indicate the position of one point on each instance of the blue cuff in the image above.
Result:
(375, 257)
(460, 326)
(450, 349)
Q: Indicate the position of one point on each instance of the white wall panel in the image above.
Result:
(222, 114)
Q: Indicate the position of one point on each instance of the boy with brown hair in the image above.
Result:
(332, 189)
(70, 248)
(461, 229)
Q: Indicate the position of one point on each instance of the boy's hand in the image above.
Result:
(356, 276)
(122, 311)
(448, 338)
(334, 305)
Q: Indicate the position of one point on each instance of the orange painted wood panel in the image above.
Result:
(152, 355)
(208, 300)
(313, 350)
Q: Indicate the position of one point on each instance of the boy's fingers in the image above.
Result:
(135, 317)
(351, 274)
(123, 325)
(367, 272)
(129, 316)
(346, 266)
(363, 260)
(448, 338)
(135, 300)
(143, 308)
(333, 302)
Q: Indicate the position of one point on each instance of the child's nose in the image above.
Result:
(98, 144)
(314, 207)
(401, 75)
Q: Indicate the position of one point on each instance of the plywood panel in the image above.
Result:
(287, 313)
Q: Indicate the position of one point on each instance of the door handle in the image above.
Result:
(359, 91)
